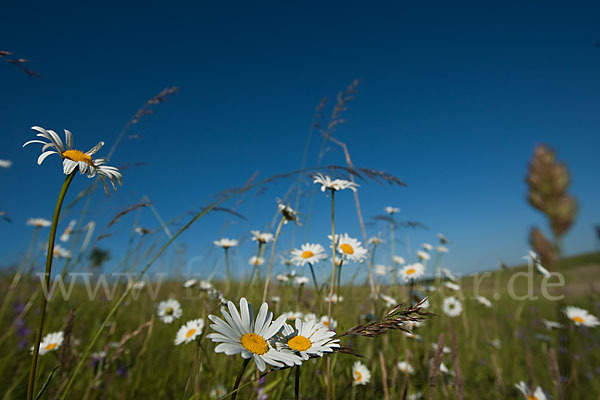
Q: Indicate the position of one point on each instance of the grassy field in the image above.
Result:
(490, 348)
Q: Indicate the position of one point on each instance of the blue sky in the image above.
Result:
(452, 100)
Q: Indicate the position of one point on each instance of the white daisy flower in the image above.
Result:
(529, 393)
(411, 271)
(375, 241)
(449, 275)
(137, 285)
(332, 326)
(189, 283)
(39, 222)
(60, 252)
(241, 334)
(360, 374)
(76, 159)
(293, 315)
(381, 270)
(442, 249)
(405, 367)
(308, 253)
(140, 230)
(445, 350)
(5, 163)
(52, 341)
(442, 238)
(334, 298)
(581, 316)
(288, 213)
(389, 301)
(391, 210)
(218, 391)
(256, 261)
(310, 317)
(275, 299)
(451, 306)
(282, 278)
(415, 396)
(68, 230)
(301, 280)
(413, 336)
(262, 237)
(551, 324)
(189, 331)
(410, 325)
(349, 248)
(482, 300)
(427, 246)
(452, 286)
(399, 260)
(423, 256)
(333, 184)
(169, 310)
(205, 285)
(496, 343)
(444, 369)
(310, 338)
(226, 243)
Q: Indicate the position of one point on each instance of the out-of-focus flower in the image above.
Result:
(360, 374)
(451, 306)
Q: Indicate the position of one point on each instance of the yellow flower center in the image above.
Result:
(411, 271)
(578, 319)
(531, 397)
(347, 248)
(307, 254)
(299, 343)
(77, 156)
(51, 346)
(255, 344)
(357, 376)
(190, 333)
(169, 311)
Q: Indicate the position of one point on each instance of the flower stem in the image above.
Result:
(297, 386)
(312, 271)
(42, 317)
(332, 286)
(268, 280)
(239, 378)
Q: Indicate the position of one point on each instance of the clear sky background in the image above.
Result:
(452, 100)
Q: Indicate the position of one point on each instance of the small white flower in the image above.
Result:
(551, 324)
(444, 369)
(52, 341)
(451, 306)
(411, 271)
(452, 286)
(310, 338)
(442, 249)
(349, 248)
(581, 317)
(427, 246)
(334, 185)
(189, 283)
(445, 350)
(288, 213)
(169, 310)
(381, 270)
(256, 261)
(218, 391)
(262, 237)
(60, 252)
(496, 343)
(275, 299)
(205, 285)
(442, 238)
(389, 301)
(226, 243)
(482, 300)
(293, 315)
(5, 163)
(423, 255)
(529, 393)
(332, 326)
(73, 159)
(413, 336)
(399, 260)
(301, 280)
(39, 222)
(335, 299)
(405, 367)
(360, 374)
(242, 334)
(140, 230)
(375, 241)
(449, 275)
(189, 332)
(68, 230)
(282, 278)
(308, 254)
(391, 210)
(310, 317)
